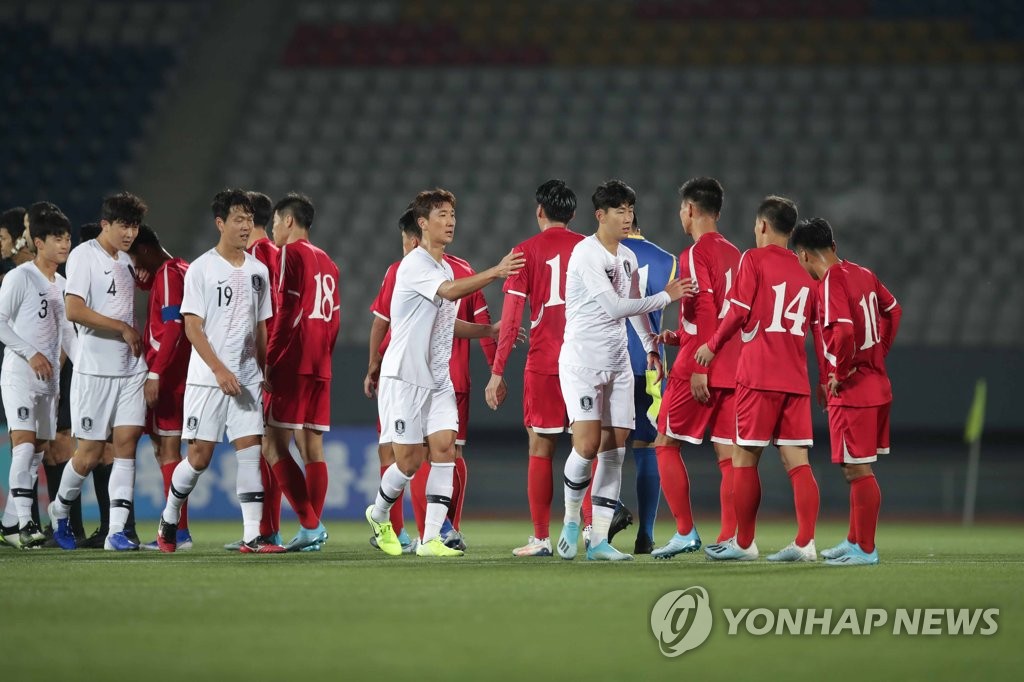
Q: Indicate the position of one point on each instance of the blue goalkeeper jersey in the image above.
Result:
(657, 268)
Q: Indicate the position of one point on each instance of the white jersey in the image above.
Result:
(593, 337)
(418, 314)
(32, 320)
(107, 285)
(231, 301)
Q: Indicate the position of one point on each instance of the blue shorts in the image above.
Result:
(644, 431)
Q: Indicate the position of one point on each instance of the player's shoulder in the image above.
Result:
(254, 263)
(19, 276)
(460, 266)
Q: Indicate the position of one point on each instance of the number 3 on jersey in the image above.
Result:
(793, 311)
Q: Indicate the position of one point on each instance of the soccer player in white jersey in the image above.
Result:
(602, 289)
(110, 371)
(415, 395)
(34, 329)
(225, 306)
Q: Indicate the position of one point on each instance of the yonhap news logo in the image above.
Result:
(682, 620)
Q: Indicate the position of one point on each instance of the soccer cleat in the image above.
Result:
(569, 540)
(455, 540)
(436, 548)
(184, 542)
(132, 535)
(795, 553)
(839, 550)
(384, 534)
(306, 537)
(534, 547)
(855, 557)
(587, 530)
(731, 551)
(259, 545)
(167, 536)
(119, 542)
(622, 518)
(94, 541)
(273, 539)
(408, 544)
(31, 536)
(643, 545)
(62, 532)
(679, 544)
(234, 546)
(11, 536)
(603, 551)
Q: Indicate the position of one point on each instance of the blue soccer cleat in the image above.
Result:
(603, 551)
(446, 527)
(731, 551)
(855, 557)
(568, 541)
(307, 537)
(62, 530)
(837, 551)
(679, 544)
(119, 542)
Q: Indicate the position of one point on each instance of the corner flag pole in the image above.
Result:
(972, 436)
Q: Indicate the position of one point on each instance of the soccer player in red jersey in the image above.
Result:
(299, 362)
(856, 320)
(541, 282)
(167, 355)
(697, 399)
(770, 305)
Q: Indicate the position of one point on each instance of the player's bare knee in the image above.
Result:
(542, 444)
(854, 471)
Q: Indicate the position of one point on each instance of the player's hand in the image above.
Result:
(132, 338)
(823, 396)
(151, 390)
(41, 367)
(699, 388)
(654, 362)
(833, 385)
(266, 384)
(680, 287)
(667, 338)
(512, 263)
(370, 385)
(142, 275)
(704, 356)
(227, 381)
(496, 391)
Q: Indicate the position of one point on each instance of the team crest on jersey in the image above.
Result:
(87, 424)
(193, 422)
(400, 426)
(257, 283)
(586, 403)
(22, 413)
(628, 267)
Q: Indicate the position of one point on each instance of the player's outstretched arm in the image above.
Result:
(453, 290)
(81, 314)
(227, 381)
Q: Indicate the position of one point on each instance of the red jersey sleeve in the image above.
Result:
(381, 306)
(740, 302)
(519, 283)
(891, 314)
(837, 321)
(481, 315)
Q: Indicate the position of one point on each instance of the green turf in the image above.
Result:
(349, 613)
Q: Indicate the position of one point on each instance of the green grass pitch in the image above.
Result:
(349, 613)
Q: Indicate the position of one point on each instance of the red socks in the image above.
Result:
(316, 486)
(167, 470)
(851, 536)
(397, 513)
(458, 492)
(270, 522)
(675, 484)
(746, 490)
(726, 501)
(588, 508)
(418, 491)
(806, 500)
(866, 498)
(539, 487)
(293, 484)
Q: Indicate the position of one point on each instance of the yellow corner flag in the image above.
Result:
(976, 416)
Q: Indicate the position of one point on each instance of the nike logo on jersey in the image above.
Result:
(221, 281)
(107, 272)
(42, 293)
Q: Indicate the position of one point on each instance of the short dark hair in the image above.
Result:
(147, 237)
(36, 212)
(706, 193)
(813, 234)
(226, 198)
(13, 220)
(780, 213)
(262, 209)
(299, 206)
(612, 194)
(88, 231)
(429, 199)
(123, 207)
(50, 223)
(408, 225)
(557, 200)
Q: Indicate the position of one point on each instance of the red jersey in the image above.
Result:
(771, 302)
(541, 282)
(267, 253)
(473, 309)
(309, 312)
(712, 262)
(857, 319)
(381, 306)
(167, 347)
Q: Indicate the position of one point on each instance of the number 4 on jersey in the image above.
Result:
(793, 311)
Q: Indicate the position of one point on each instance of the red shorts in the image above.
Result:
(543, 407)
(683, 418)
(858, 434)
(766, 417)
(168, 417)
(305, 403)
(462, 403)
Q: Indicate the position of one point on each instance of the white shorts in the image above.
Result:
(408, 413)
(27, 411)
(592, 395)
(210, 413)
(100, 403)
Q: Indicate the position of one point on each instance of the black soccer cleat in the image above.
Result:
(643, 545)
(96, 540)
(622, 518)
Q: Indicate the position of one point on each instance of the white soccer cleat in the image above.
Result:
(534, 547)
(731, 551)
(795, 553)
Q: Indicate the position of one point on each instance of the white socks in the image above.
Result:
(69, 490)
(249, 486)
(20, 484)
(576, 479)
(392, 483)
(605, 493)
(440, 484)
(122, 489)
(183, 480)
